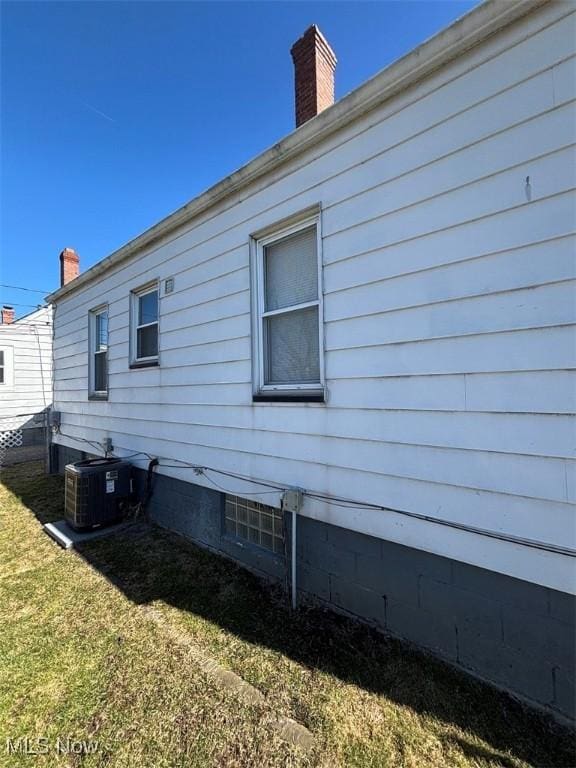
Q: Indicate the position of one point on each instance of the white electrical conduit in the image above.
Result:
(294, 516)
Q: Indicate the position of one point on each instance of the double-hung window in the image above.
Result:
(98, 352)
(287, 307)
(144, 326)
(2, 367)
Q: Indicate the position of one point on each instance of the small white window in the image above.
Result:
(6, 367)
(144, 326)
(287, 305)
(98, 352)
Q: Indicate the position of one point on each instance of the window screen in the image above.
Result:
(101, 331)
(147, 341)
(148, 308)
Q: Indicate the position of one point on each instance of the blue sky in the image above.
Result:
(114, 114)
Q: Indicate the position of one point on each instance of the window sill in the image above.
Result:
(285, 397)
(144, 364)
(98, 396)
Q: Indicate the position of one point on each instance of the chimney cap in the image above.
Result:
(7, 314)
(313, 31)
(69, 253)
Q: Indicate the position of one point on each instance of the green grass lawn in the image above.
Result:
(109, 645)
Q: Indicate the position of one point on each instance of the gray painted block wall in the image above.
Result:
(60, 455)
(33, 436)
(518, 635)
(198, 513)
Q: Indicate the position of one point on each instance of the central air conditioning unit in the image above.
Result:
(97, 492)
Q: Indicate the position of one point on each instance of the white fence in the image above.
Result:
(23, 440)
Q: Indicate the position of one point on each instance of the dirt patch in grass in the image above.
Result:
(82, 655)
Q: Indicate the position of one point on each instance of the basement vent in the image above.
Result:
(254, 522)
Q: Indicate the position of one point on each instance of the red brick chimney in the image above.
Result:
(314, 65)
(7, 315)
(69, 265)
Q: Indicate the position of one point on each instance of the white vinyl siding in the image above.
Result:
(448, 318)
(27, 388)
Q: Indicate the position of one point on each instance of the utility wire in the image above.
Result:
(21, 288)
(199, 469)
(94, 444)
(351, 503)
(21, 325)
(228, 490)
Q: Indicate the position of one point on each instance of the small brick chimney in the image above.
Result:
(7, 315)
(314, 65)
(69, 265)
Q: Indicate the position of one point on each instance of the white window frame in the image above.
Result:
(135, 295)
(101, 394)
(258, 244)
(8, 367)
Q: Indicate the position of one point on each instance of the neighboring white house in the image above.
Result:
(378, 310)
(25, 379)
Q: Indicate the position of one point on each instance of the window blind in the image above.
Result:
(292, 346)
(291, 271)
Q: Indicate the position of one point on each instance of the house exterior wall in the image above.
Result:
(448, 268)
(448, 309)
(27, 392)
(515, 634)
